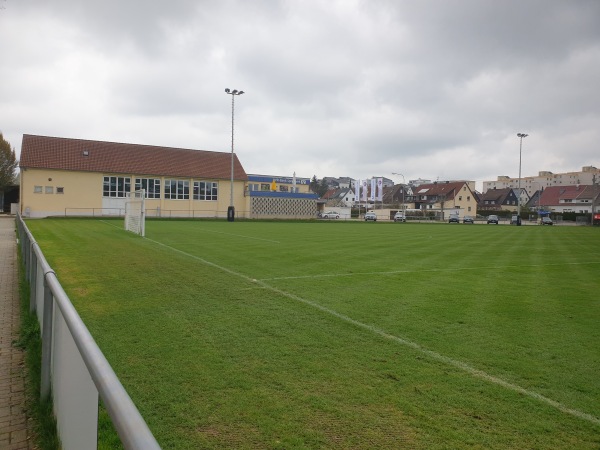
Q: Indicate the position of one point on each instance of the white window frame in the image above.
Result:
(152, 186)
(181, 189)
(206, 190)
(116, 187)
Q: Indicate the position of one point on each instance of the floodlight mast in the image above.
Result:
(520, 136)
(231, 209)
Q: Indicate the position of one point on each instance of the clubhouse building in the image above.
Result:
(76, 177)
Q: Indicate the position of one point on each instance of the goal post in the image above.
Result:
(135, 212)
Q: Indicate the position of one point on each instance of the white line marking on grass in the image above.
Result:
(112, 225)
(407, 343)
(451, 269)
(242, 236)
(212, 231)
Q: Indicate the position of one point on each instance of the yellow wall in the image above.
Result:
(465, 199)
(81, 190)
(83, 196)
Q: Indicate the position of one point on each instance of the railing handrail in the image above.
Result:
(129, 423)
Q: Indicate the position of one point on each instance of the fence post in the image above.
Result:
(46, 341)
(33, 281)
(26, 255)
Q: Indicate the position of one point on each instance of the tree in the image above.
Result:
(8, 163)
(314, 184)
(323, 188)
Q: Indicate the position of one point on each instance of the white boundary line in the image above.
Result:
(433, 355)
(394, 272)
(241, 235)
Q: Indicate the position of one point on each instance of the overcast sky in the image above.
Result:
(429, 89)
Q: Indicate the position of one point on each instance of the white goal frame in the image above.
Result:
(135, 212)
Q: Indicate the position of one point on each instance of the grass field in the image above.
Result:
(344, 335)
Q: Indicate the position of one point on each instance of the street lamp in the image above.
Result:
(403, 185)
(231, 209)
(520, 136)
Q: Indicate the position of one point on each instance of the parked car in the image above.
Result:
(468, 219)
(399, 217)
(330, 215)
(371, 216)
(454, 219)
(492, 219)
(547, 220)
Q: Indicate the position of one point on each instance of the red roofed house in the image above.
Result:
(446, 197)
(579, 198)
(61, 176)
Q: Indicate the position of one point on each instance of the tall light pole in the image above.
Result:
(520, 136)
(231, 209)
(403, 184)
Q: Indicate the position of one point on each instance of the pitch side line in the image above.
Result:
(407, 343)
(242, 236)
(394, 272)
(218, 232)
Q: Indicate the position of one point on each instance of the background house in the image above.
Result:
(578, 199)
(343, 197)
(498, 199)
(446, 197)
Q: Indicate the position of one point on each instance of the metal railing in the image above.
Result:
(73, 367)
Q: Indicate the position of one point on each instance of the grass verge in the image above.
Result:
(44, 423)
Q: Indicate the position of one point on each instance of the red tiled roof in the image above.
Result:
(330, 193)
(43, 152)
(553, 194)
(446, 188)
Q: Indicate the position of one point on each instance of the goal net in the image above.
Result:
(135, 217)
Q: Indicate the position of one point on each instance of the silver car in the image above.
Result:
(399, 217)
(370, 216)
(330, 215)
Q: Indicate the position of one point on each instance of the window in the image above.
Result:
(469, 209)
(253, 187)
(460, 198)
(60, 190)
(116, 187)
(283, 188)
(177, 189)
(150, 185)
(205, 190)
(265, 187)
(49, 190)
(37, 189)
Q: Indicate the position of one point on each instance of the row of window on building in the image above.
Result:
(48, 190)
(119, 187)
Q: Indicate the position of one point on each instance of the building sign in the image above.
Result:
(278, 180)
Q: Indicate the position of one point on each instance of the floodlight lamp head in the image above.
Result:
(240, 93)
(522, 135)
(227, 90)
(234, 91)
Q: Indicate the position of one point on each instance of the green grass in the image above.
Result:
(43, 424)
(354, 335)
